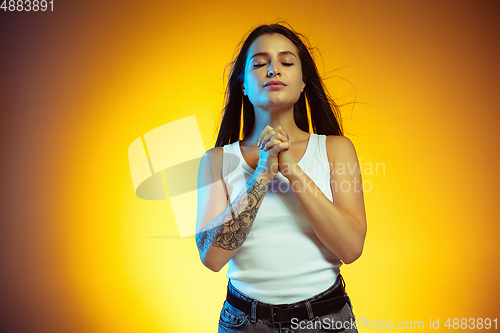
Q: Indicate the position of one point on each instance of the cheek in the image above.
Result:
(298, 80)
(251, 83)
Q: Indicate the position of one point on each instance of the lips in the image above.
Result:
(274, 83)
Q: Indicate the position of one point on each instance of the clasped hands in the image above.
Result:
(274, 146)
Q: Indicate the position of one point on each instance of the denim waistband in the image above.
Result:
(241, 295)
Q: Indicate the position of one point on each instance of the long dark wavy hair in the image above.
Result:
(324, 112)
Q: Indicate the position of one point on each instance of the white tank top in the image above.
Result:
(282, 260)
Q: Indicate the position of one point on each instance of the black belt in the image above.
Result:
(332, 302)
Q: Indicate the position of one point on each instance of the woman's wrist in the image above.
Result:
(293, 173)
(262, 176)
(290, 171)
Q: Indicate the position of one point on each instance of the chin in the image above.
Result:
(280, 105)
(280, 102)
(275, 102)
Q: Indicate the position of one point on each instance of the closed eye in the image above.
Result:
(284, 63)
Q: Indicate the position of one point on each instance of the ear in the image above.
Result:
(243, 88)
(303, 84)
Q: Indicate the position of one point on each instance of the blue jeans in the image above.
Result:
(234, 320)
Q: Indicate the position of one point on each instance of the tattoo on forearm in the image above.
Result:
(229, 230)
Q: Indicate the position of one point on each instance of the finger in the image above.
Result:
(285, 145)
(277, 148)
(279, 129)
(277, 137)
(268, 132)
(271, 133)
(263, 134)
(269, 143)
(267, 137)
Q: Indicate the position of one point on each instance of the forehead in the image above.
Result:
(272, 44)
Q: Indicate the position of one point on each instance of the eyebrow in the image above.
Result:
(267, 54)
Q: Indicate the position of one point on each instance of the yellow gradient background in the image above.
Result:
(80, 252)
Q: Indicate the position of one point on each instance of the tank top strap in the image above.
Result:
(316, 151)
(322, 149)
(226, 160)
(231, 166)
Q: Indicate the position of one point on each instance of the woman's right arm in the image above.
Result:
(221, 230)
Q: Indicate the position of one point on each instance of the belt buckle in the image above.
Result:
(273, 315)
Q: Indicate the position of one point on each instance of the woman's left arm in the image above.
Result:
(341, 225)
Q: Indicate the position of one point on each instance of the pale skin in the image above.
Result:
(275, 145)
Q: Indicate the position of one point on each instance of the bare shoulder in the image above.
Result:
(210, 166)
(213, 154)
(339, 148)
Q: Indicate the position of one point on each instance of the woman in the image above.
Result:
(283, 207)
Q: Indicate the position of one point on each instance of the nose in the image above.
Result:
(273, 70)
